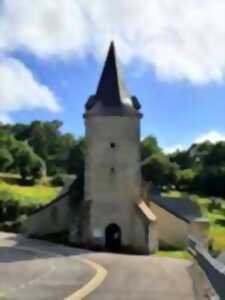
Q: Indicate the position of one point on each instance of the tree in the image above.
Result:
(181, 158)
(149, 146)
(159, 170)
(6, 159)
(51, 145)
(29, 163)
(210, 181)
(185, 179)
(216, 155)
(76, 158)
(45, 139)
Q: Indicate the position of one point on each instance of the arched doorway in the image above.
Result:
(113, 237)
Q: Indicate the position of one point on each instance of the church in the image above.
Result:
(110, 206)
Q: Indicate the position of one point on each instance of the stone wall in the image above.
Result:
(50, 219)
(171, 230)
(214, 269)
(199, 229)
(113, 178)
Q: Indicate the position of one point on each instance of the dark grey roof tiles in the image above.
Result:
(112, 96)
(184, 209)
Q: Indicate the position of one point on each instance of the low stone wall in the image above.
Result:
(52, 218)
(213, 269)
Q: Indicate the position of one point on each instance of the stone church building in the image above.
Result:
(115, 208)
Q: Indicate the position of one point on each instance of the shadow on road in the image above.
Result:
(33, 249)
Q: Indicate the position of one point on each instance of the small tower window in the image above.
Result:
(112, 170)
(112, 145)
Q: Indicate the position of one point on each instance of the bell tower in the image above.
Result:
(112, 163)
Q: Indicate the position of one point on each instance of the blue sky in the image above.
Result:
(48, 69)
(175, 112)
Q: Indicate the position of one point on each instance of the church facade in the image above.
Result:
(112, 166)
(115, 209)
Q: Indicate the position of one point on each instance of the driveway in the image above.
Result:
(34, 270)
(31, 269)
(143, 277)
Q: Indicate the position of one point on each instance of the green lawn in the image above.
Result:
(29, 195)
(216, 218)
(43, 193)
(174, 254)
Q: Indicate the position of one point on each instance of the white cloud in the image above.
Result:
(181, 39)
(211, 136)
(19, 90)
(173, 148)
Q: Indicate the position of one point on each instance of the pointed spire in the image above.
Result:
(111, 91)
(111, 88)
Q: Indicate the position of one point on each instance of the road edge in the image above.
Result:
(90, 286)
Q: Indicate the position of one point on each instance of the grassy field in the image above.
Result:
(215, 217)
(174, 254)
(28, 195)
(43, 193)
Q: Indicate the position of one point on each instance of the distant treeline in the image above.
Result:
(40, 148)
(199, 169)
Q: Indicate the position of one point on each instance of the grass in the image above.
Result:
(217, 234)
(28, 195)
(42, 193)
(216, 218)
(173, 254)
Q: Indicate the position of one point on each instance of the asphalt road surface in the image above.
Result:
(39, 273)
(143, 277)
(34, 270)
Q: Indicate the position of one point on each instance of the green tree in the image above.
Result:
(159, 170)
(215, 156)
(181, 158)
(210, 181)
(149, 146)
(76, 158)
(6, 159)
(185, 179)
(29, 164)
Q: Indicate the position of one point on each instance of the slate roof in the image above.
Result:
(112, 96)
(184, 209)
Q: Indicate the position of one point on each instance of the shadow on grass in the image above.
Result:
(220, 222)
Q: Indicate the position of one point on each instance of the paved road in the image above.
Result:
(30, 269)
(27, 273)
(143, 277)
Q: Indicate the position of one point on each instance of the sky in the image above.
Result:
(172, 53)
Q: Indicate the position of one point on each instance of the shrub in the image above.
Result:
(6, 159)
(9, 207)
(61, 179)
(215, 204)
